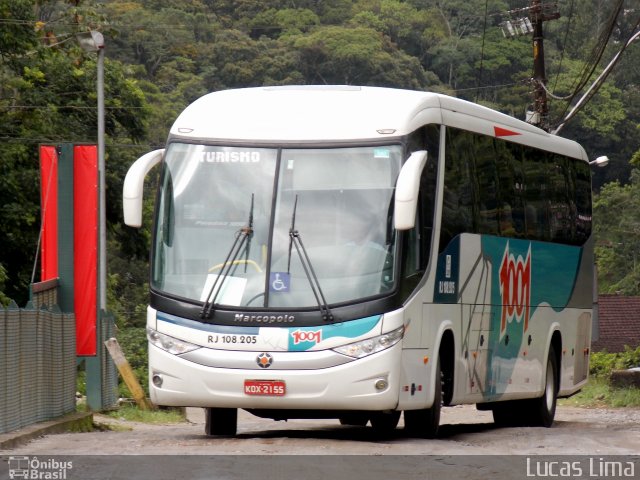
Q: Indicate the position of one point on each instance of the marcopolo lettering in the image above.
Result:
(264, 318)
(230, 157)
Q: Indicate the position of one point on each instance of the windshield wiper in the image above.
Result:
(249, 236)
(242, 236)
(296, 240)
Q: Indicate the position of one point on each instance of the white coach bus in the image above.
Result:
(357, 252)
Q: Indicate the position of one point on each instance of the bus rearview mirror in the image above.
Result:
(134, 185)
(407, 190)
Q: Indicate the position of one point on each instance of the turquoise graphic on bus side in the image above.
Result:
(519, 287)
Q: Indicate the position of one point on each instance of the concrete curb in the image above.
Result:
(75, 422)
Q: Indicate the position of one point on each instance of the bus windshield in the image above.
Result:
(225, 215)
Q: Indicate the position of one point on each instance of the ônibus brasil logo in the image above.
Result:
(515, 289)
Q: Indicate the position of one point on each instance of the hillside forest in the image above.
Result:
(163, 54)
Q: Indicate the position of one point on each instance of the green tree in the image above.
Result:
(289, 21)
(461, 20)
(4, 300)
(17, 34)
(357, 55)
(617, 229)
(48, 95)
(239, 61)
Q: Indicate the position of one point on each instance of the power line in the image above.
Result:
(484, 34)
(596, 55)
(487, 87)
(599, 81)
(564, 44)
(179, 26)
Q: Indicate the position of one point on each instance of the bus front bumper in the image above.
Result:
(369, 383)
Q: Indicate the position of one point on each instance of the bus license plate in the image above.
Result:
(268, 388)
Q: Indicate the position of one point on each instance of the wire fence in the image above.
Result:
(109, 370)
(37, 362)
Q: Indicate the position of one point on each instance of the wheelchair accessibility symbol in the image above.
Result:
(279, 281)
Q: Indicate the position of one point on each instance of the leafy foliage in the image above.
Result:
(133, 342)
(163, 54)
(601, 364)
(617, 229)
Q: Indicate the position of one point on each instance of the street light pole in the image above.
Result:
(93, 41)
(102, 228)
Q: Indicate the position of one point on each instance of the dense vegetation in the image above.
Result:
(163, 54)
(601, 391)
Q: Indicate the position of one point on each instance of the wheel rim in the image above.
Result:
(550, 387)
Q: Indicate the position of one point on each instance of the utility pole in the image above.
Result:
(538, 14)
(524, 21)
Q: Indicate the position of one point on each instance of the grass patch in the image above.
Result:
(598, 393)
(132, 413)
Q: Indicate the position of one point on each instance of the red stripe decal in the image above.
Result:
(503, 132)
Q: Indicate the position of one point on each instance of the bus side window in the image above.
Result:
(535, 195)
(497, 187)
(583, 202)
(488, 206)
(459, 187)
(511, 186)
(559, 200)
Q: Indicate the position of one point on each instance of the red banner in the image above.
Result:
(49, 212)
(85, 239)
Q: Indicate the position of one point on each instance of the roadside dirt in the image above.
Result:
(465, 431)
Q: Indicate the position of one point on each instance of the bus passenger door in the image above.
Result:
(475, 299)
(476, 349)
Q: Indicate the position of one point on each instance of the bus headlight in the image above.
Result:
(169, 344)
(371, 345)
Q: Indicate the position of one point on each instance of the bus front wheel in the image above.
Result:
(425, 423)
(221, 421)
(356, 419)
(385, 422)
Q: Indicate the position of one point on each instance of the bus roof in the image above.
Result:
(324, 114)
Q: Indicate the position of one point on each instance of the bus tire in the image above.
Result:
(356, 419)
(543, 409)
(424, 423)
(221, 421)
(537, 412)
(384, 423)
(507, 414)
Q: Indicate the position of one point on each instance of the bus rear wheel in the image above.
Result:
(543, 409)
(221, 421)
(538, 412)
